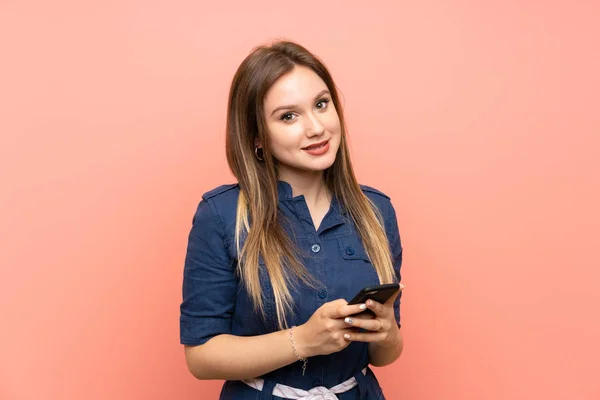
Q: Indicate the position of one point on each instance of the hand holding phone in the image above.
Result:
(316, 337)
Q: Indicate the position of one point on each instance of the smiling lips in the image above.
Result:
(317, 149)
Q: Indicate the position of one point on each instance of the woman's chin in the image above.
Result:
(318, 166)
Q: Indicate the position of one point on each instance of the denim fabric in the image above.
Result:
(216, 302)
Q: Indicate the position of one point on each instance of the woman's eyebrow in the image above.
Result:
(321, 93)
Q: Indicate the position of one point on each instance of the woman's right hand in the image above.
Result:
(324, 332)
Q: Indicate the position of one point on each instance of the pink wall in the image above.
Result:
(480, 119)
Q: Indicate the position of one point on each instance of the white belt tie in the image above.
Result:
(316, 393)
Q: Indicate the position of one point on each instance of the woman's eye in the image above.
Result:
(322, 104)
(287, 117)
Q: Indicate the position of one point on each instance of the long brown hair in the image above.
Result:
(257, 209)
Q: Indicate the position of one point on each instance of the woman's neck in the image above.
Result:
(311, 185)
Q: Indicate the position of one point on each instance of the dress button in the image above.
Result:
(317, 383)
(349, 251)
(322, 294)
(315, 248)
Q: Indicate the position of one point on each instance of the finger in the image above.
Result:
(377, 308)
(368, 324)
(329, 310)
(364, 336)
(337, 303)
(345, 310)
(336, 325)
(363, 315)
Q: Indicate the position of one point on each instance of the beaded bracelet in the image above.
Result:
(304, 360)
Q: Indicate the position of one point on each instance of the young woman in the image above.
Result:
(272, 260)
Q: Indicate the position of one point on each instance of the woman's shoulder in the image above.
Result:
(373, 193)
(380, 199)
(219, 200)
(218, 207)
(231, 190)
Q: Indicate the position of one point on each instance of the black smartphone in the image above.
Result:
(379, 293)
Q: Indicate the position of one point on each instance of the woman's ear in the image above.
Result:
(257, 142)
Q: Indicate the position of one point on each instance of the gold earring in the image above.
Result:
(256, 154)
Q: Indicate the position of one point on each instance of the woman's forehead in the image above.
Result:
(299, 86)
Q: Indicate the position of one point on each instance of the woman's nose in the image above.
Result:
(314, 126)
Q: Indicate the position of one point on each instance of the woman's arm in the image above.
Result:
(245, 357)
(383, 354)
(209, 295)
(239, 357)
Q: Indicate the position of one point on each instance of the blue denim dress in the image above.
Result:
(216, 302)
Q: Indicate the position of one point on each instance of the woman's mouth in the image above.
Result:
(317, 149)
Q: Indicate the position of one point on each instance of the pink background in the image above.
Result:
(480, 119)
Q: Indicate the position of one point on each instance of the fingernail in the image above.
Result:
(346, 336)
(348, 320)
(362, 306)
(369, 302)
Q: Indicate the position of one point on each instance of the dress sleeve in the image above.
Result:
(393, 234)
(209, 283)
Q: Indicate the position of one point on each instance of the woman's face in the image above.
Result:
(303, 126)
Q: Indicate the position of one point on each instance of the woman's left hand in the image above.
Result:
(382, 329)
